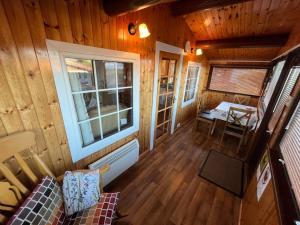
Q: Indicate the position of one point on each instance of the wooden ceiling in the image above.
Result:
(252, 18)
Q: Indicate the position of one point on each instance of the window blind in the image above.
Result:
(284, 95)
(290, 149)
(272, 83)
(246, 81)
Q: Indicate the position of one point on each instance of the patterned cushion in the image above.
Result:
(43, 206)
(80, 190)
(100, 214)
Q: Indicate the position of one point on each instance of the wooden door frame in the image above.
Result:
(169, 56)
(160, 46)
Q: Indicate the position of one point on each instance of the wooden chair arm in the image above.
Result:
(102, 170)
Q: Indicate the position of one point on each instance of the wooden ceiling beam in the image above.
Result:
(183, 7)
(120, 7)
(266, 41)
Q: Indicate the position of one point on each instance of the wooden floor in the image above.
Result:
(163, 188)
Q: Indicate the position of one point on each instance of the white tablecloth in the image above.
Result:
(221, 111)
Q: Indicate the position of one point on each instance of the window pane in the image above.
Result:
(125, 119)
(160, 117)
(159, 131)
(90, 131)
(237, 80)
(193, 72)
(86, 105)
(109, 125)
(171, 84)
(161, 102)
(164, 67)
(189, 95)
(108, 102)
(80, 73)
(192, 84)
(170, 100)
(166, 127)
(168, 114)
(106, 74)
(125, 98)
(172, 66)
(124, 71)
(163, 85)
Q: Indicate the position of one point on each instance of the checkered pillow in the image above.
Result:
(43, 206)
(100, 214)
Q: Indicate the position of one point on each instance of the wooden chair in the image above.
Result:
(13, 191)
(205, 115)
(237, 123)
(241, 99)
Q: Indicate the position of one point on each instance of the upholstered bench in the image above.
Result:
(45, 206)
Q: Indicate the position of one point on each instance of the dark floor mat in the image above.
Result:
(224, 171)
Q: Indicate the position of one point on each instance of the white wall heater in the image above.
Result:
(119, 160)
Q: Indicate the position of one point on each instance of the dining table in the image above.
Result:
(222, 110)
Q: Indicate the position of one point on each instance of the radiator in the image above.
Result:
(119, 160)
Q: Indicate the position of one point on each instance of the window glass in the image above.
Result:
(272, 83)
(80, 74)
(86, 105)
(126, 118)
(247, 81)
(124, 72)
(191, 83)
(104, 102)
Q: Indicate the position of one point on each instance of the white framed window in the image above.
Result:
(191, 83)
(98, 91)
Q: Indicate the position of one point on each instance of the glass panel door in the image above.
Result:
(166, 97)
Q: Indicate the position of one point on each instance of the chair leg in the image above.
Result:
(222, 138)
(240, 144)
(213, 127)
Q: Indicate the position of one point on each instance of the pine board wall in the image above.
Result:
(28, 99)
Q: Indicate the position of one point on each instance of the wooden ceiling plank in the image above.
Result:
(184, 7)
(277, 40)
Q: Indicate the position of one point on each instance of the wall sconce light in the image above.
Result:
(199, 51)
(143, 29)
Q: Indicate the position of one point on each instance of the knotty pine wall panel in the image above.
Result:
(28, 99)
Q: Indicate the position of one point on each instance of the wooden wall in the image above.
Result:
(189, 112)
(262, 212)
(28, 98)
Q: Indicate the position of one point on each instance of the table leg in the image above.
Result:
(213, 128)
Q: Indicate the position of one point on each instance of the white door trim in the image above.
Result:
(160, 46)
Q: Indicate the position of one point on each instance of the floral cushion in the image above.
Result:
(43, 206)
(100, 214)
(80, 190)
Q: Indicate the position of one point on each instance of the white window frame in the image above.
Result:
(190, 101)
(57, 52)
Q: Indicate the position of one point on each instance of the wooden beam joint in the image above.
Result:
(266, 41)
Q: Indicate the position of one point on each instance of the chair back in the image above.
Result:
(11, 147)
(238, 117)
(241, 99)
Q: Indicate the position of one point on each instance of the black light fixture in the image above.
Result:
(131, 28)
(143, 29)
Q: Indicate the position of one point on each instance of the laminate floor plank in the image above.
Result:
(164, 188)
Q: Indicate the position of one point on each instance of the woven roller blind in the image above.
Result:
(284, 95)
(237, 80)
(290, 149)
